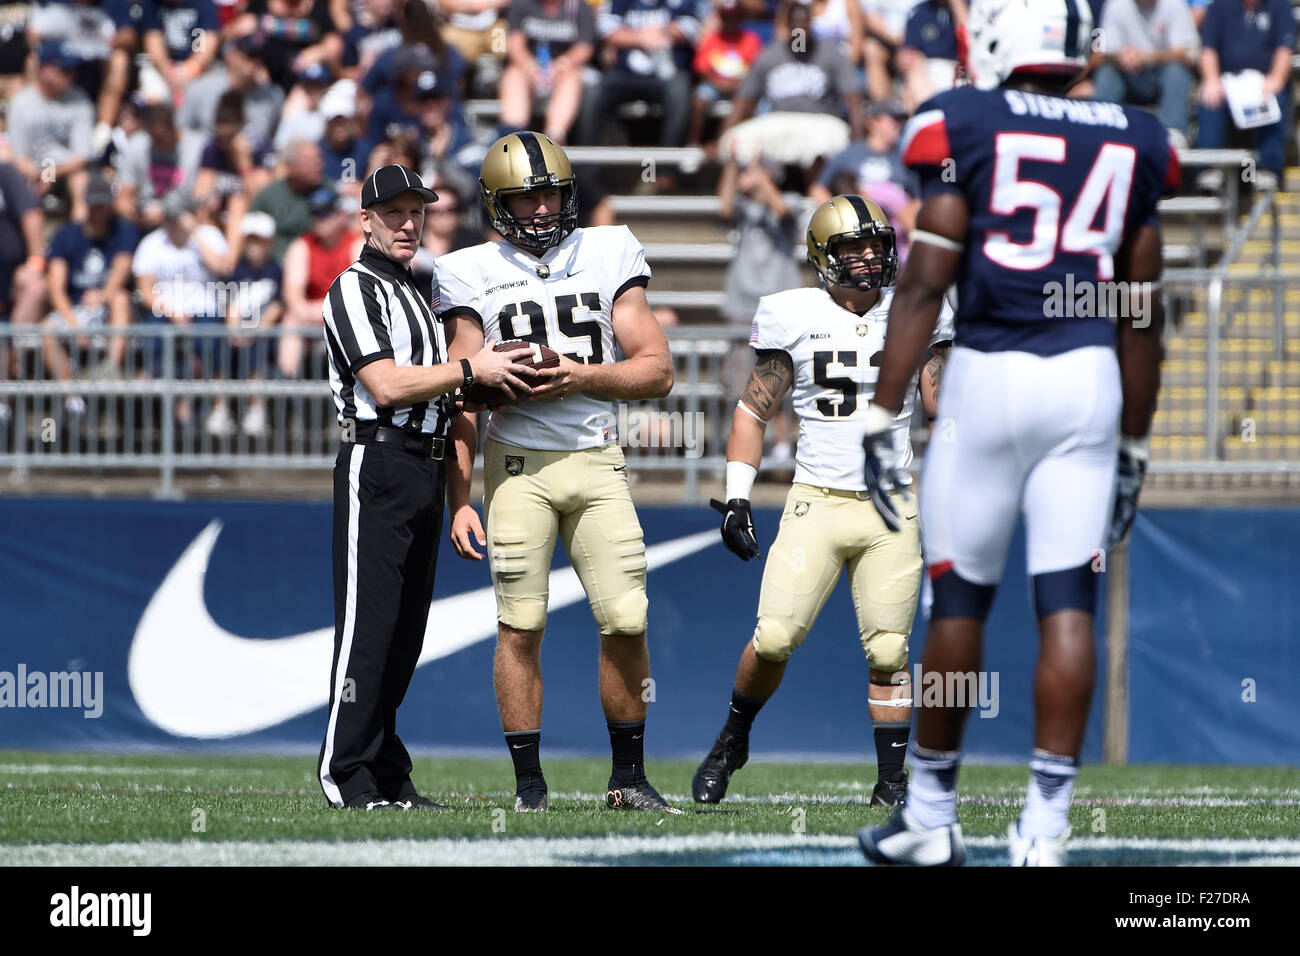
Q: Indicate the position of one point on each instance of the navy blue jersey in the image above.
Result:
(90, 260)
(179, 23)
(1053, 186)
(1246, 39)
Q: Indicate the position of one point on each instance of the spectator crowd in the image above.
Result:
(154, 151)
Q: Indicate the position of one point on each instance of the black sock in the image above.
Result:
(741, 713)
(627, 743)
(891, 748)
(526, 751)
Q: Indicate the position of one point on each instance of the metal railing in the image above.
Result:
(188, 398)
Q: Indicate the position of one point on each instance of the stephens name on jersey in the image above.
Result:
(1053, 185)
(836, 357)
(563, 299)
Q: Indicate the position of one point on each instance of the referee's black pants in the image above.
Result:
(388, 508)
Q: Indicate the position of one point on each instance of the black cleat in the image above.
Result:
(530, 793)
(637, 795)
(370, 800)
(890, 793)
(729, 753)
(416, 802)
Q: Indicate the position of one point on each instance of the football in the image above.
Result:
(542, 356)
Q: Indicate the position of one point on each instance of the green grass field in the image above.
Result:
(103, 808)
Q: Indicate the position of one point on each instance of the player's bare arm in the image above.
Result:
(647, 372)
(768, 383)
(918, 299)
(771, 378)
(1139, 264)
(1138, 348)
(931, 269)
(464, 340)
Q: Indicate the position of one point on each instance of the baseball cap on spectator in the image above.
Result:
(258, 224)
(389, 181)
(427, 86)
(323, 202)
(315, 73)
(726, 7)
(57, 54)
(338, 101)
(888, 107)
(176, 203)
(99, 192)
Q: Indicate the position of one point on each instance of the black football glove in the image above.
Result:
(1133, 456)
(737, 527)
(882, 475)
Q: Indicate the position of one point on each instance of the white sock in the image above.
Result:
(1047, 801)
(932, 792)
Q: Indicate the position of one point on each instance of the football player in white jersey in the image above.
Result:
(825, 344)
(553, 467)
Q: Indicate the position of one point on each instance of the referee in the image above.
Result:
(393, 388)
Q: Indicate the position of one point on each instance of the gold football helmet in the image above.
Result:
(518, 163)
(846, 218)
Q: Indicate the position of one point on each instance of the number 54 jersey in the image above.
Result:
(836, 356)
(1054, 186)
(565, 300)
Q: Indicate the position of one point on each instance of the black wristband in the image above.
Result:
(469, 373)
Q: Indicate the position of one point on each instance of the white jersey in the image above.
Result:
(836, 356)
(565, 300)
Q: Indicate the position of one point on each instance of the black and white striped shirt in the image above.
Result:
(375, 310)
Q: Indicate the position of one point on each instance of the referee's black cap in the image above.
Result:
(389, 181)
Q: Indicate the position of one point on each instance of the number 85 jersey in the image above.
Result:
(836, 358)
(563, 299)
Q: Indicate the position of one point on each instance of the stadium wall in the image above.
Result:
(211, 625)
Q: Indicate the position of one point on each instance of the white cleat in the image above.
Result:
(899, 842)
(1036, 851)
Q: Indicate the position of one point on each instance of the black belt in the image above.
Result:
(422, 446)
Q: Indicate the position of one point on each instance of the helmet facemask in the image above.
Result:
(847, 272)
(536, 233)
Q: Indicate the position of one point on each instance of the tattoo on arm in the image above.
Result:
(934, 369)
(768, 383)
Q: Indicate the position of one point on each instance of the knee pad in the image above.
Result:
(626, 614)
(1074, 589)
(524, 614)
(776, 639)
(954, 596)
(886, 651)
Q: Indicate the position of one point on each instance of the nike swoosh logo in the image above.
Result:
(620, 467)
(518, 746)
(897, 745)
(193, 678)
(574, 273)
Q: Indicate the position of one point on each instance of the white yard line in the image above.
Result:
(596, 851)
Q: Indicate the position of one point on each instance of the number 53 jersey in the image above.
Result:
(1054, 186)
(565, 300)
(836, 357)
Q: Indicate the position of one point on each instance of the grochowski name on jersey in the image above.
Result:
(563, 299)
(836, 357)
